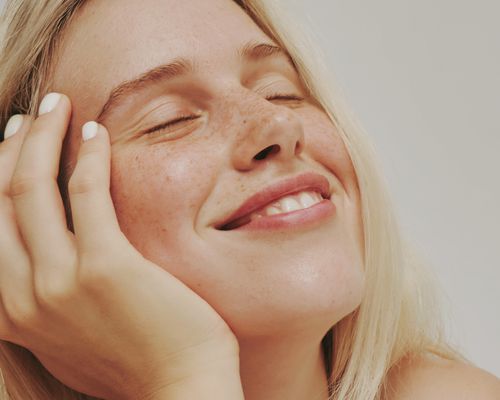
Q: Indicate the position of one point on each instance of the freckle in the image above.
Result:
(244, 121)
(168, 179)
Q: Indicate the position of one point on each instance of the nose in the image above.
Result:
(275, 133)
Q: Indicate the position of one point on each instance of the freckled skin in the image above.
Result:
(168, 193)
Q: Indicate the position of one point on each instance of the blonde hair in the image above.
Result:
(397, 318)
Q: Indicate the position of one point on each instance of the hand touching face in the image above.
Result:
(208, 124)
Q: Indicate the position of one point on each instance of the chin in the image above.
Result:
(292, 290)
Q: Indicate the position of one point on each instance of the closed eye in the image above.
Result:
(171, 123)
(280, 96)
(191, 117)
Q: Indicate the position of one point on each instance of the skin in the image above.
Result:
(432, 378)
(279, 292)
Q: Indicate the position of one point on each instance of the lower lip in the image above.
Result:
(297, 218)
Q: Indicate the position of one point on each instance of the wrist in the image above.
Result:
(208, 384)
(215, 385)
(209, 374)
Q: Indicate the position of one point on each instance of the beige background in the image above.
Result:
(424, 79)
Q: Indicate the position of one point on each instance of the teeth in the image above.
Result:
(290, 203)
(271, 210)
(306, 199)
(286, 204)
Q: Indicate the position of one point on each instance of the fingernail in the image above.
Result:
(48, 103)
(89, 130)
(13, 125)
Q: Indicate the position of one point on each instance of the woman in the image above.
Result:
(221, 231)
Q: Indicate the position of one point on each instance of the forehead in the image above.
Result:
(110, 41)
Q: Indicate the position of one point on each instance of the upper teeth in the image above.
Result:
(293, 202)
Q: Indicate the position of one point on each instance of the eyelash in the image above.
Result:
(190, 117)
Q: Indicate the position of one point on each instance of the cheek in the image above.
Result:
(156, 192)
(325, 145)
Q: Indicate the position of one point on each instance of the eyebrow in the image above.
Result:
(251, 51)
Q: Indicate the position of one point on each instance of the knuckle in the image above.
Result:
(21, 313)
(51, 293)
(23, 183)
(95, 273)
(81, 183)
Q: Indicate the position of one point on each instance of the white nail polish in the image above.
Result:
(13, 125)
(48, 103)
(89, 130)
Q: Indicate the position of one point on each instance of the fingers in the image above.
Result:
(37, 252)
(94, 217)
(15, 130)
(16, 288)
(34, 191)
(38, 257)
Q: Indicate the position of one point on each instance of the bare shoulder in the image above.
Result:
(424, 378)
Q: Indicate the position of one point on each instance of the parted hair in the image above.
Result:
(398, 316)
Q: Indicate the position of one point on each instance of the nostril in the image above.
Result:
(298, 148)
(268, 150)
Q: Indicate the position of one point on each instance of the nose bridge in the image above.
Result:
(264, 130)
(243, 104)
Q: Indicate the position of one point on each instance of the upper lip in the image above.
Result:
(305, 181)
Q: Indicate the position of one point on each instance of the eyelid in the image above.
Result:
(282, 96)
(193, 116)
(177, 120)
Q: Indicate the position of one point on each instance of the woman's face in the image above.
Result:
(171, 187)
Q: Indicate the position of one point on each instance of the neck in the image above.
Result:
(283, 368)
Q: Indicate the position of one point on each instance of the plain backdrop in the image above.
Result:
(423, 77)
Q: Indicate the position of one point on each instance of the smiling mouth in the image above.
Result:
(301, 200)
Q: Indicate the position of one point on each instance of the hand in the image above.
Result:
(99, 316)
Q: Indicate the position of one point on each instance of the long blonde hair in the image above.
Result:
(398, 316)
